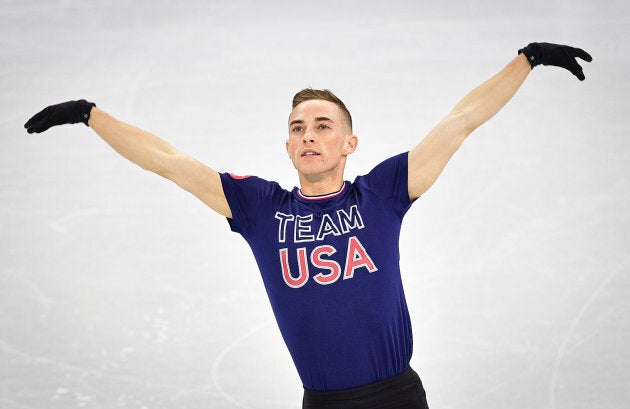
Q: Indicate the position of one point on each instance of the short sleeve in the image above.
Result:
(388, 180)
(245, 195)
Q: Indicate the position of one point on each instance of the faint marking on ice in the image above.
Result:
(162, 327)
(34, 290)
(60, 225)
(574, 324)
(448, 231)
(495, 382)
(11, 404)
(5, 347)
(16, 212)
(229, 348)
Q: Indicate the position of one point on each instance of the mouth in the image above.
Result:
(309, 153)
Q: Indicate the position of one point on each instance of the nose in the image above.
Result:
(308, 137)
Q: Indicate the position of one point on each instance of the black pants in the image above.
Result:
(404, 391)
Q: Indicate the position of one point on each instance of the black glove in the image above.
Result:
(71, 112)
(558, 55)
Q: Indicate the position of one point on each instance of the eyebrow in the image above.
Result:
(318, 119)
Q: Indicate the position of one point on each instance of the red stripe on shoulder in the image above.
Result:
(238, 177)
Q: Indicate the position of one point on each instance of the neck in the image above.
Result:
(321, 187)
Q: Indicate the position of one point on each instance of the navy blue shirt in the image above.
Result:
(330, 266)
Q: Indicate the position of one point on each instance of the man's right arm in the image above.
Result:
(140, 147)
(158, 156)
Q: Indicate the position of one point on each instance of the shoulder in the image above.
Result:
(388, 181)
(386, 172)
(250, 186)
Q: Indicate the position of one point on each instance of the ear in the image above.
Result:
(286, 145)
(352, 142)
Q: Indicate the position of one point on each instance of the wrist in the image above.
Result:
(85, 110)
(533, 53)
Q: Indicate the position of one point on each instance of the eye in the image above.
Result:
(324, 126)
(296, 129)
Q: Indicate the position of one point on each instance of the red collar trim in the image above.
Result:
(323, 197)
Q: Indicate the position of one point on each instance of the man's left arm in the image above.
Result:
(430, 156)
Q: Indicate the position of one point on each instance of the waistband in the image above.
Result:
(388, 387)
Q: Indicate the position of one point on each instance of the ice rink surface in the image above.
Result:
(119, 290)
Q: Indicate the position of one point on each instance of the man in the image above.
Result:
(328, 251)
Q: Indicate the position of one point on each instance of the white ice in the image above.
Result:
(118, 290)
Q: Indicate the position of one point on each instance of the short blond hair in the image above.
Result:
(308, 94)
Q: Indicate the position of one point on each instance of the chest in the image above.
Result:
(300, 244)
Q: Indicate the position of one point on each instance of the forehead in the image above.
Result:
(315, 108)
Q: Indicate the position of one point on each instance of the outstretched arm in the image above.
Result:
(430, 156)
(140, 147)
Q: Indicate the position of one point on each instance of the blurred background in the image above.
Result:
(119, 290)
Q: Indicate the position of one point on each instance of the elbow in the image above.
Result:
(463, 121)
(162, 163)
